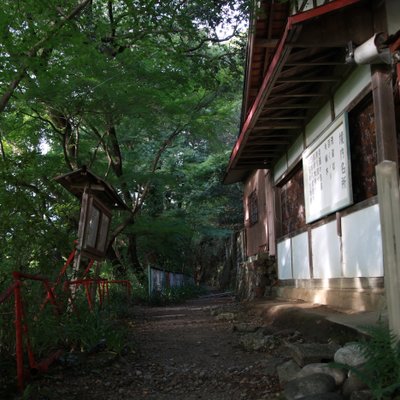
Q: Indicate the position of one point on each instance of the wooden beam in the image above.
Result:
(271, 136)
(248, 167)
(293, 107)
(298, 95)
(289, 117)
(316, 79)
(267, 43)
(258, 156)
(267, 142)
(277, 126)
(254, 152)
(313, 64)
(305, 55)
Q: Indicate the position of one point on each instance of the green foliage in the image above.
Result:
(381, 372)
(175, 295)
(78, 330)
(144, 94)
(147, 96)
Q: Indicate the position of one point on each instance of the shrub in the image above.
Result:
(381, 372)
(175, 295)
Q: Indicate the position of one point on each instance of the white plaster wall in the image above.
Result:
(349, 90)
(321, 120)
(280, 168)
(326, 252)
(300, 257)
(362, 243)
(285, 260)
(309, 5)
(295, 151)
(393, 16)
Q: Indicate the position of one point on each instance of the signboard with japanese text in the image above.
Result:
(327, 172)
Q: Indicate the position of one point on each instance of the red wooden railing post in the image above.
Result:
(89, 299)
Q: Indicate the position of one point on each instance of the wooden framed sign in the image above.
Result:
(327, 171)
(94, 226)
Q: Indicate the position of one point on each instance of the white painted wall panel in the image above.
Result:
(353, 86)
(295, 151)
(300, 257)
(280, 168)
(362, 243)
(326, 251)
(285, 259)
(321, 120)
(393, 15)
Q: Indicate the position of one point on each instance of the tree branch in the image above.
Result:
(39, 117)
(213, 40)
(3, 153)
(167, 142)
(5, 98)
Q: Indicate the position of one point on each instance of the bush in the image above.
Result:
(77, 329)
(175, 295)
(381, 372)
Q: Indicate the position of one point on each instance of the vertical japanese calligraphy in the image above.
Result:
(327, 177)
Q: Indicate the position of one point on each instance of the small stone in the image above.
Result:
(323, 396)
(362, 395)
(226, 316)
(350, 355)
(307, 353)
(352, 384)
(244, 328)
(287, 371)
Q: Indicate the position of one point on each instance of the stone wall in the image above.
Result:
(256, 277)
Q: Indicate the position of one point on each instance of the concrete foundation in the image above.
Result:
(346, 299)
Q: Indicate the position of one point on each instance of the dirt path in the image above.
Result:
(183, 352)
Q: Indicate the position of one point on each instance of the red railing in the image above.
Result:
(21, 327)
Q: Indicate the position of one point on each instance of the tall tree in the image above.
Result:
(119, 86)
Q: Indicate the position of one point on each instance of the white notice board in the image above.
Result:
(327, 172)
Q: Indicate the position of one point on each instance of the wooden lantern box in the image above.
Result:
(98, 198)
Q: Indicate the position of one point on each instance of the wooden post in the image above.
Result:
(389, 206)
(385, 121)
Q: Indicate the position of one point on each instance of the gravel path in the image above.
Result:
(184, 352)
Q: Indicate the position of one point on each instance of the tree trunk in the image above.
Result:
(136, 266)
(118, 269)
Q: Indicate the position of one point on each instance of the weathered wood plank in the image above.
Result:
(389, 206)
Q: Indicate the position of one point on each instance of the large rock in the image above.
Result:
(308, 353)
(362, 395)
(350, 355)
(324, 396)
(287, 371)
(352, 384)
(316, 384)
(339, 375)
